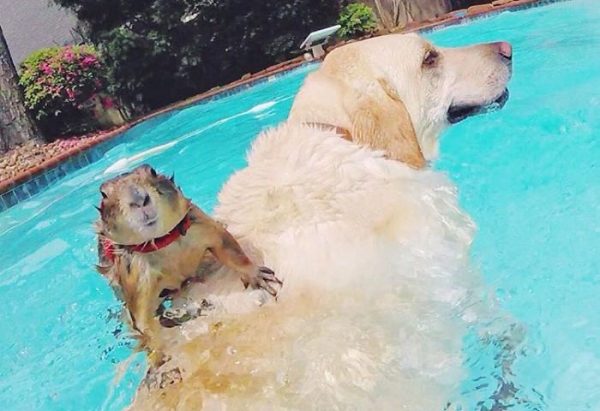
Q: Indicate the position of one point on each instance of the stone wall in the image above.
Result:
(396, 13)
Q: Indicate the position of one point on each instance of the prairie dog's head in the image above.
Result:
(139, 206)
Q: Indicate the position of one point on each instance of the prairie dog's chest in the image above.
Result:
(178, 259)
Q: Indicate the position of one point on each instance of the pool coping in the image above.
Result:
(36, 179)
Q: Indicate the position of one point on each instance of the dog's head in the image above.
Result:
(445, 85)
(398, 92)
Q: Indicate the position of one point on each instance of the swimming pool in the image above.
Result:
(528, 175)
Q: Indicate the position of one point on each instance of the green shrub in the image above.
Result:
(356, 19)
(57, 81)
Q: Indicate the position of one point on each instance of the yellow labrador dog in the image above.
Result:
(371, 245)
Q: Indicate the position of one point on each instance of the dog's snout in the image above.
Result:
(503, 48)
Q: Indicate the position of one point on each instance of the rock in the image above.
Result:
(29, 155)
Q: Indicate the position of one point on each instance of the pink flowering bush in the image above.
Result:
(57, 83)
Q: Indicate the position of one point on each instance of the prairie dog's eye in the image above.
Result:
(152, 172)
(164, 186)
(430, 58)
(103, 194)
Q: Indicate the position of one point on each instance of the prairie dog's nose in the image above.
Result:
(503, 48)
(139, 197)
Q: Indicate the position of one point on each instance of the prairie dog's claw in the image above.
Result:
(261, 278)
(266, 270)
(269, 275)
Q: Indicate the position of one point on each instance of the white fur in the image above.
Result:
(386, 245)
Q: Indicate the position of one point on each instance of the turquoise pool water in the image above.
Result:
(529, 175)
(530, 178)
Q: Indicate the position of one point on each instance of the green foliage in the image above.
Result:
(160, 51)
(356, 19)
(56, 82)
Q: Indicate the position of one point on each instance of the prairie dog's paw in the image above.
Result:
(179, 314)
(263, 278)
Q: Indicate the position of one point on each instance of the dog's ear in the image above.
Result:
(382, 122)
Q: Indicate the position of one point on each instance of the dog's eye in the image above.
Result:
(152, 172)
(430, 58)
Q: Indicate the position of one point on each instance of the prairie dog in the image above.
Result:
(151, 238)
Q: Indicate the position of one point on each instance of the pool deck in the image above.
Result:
(36, 179)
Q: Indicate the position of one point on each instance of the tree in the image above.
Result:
(160, 51)
(16, 127)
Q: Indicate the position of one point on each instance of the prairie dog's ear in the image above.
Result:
(382, 122)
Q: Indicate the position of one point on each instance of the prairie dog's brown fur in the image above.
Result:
(141, 206)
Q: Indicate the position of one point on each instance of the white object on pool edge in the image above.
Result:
(319, 35)
(315, 40)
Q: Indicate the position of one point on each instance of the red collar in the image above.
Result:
(108, 247)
